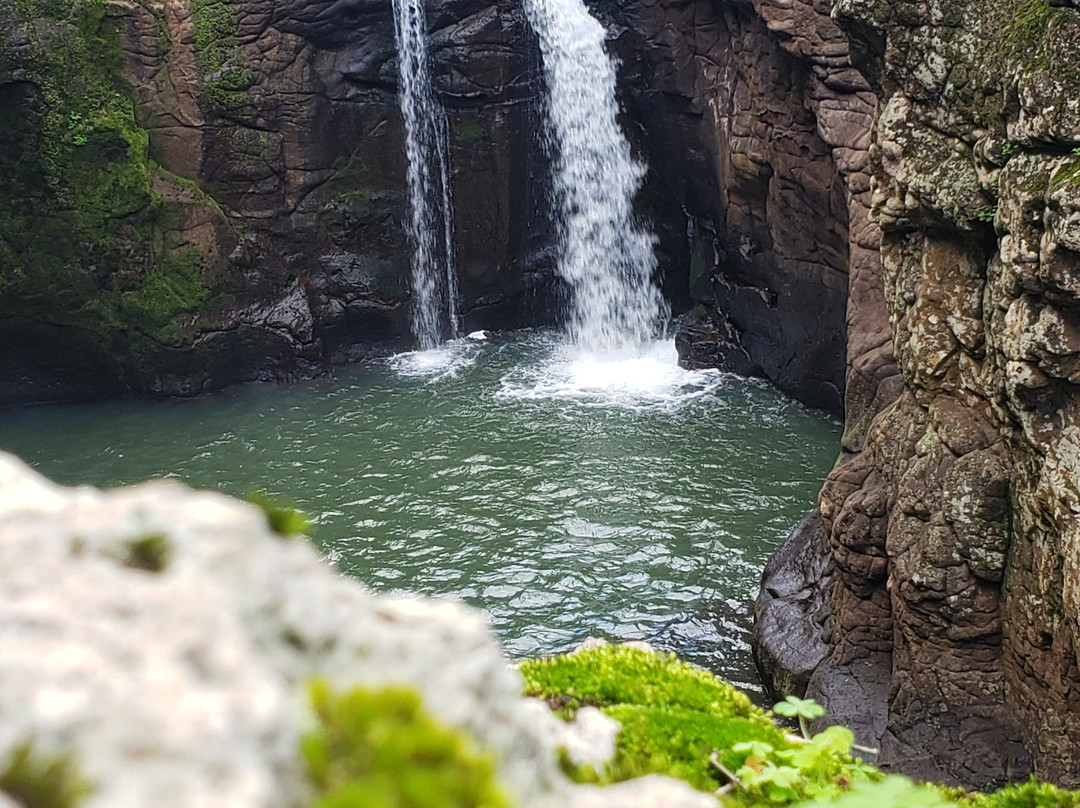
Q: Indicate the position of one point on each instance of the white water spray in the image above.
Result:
(427, 147)
(607, 258)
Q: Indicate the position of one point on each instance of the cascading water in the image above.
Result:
(607, 258)
(431, 224)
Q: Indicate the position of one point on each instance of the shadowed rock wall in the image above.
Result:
(207, 191)
(951, 519)
(756, 129)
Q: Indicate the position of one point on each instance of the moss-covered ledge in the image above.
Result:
(680, 721)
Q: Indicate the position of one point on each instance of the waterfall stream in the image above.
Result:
(434, 310)
(606, 256)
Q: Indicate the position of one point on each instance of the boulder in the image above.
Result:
(163, 639)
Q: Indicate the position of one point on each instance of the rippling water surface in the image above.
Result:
(568, 496)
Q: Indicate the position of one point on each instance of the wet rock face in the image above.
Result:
(952, 516)
(756, 130)
(792, 615)
(266, 175)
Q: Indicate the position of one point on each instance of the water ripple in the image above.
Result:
(501, 473)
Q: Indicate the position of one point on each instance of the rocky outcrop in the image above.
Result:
(757, 131)
(951, 518)
(207, 191)
(162, 641)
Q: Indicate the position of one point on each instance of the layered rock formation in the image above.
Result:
(757, 130)
(951, 520)
(205, 191)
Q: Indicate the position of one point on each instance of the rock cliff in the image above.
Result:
(950, 522)
(757, 130)
(198, 192)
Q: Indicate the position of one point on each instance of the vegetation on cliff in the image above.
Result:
(681, 721)
(89, 245)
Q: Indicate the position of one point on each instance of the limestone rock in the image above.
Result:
(164, 637)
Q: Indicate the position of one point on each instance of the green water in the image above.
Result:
(568, 499)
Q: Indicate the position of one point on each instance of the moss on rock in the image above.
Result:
(36, 780)
(87, 244)
(681, 721)
(378, 747)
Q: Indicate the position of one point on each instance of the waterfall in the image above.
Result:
(434, 310)
(606, 257)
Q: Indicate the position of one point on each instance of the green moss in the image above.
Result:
(1031, 794)
(468, 131)
(172, 288)
(1068, 173)
(224, 76)
(151, 552)
(1025, 25)
(615, 674)
(683, 722)
(678, 742)
(680, 721)
(283, 518)
(84, 237)
(34, 780)
(380, 749)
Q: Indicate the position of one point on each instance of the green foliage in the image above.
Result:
(1031, 794)
(803, 709)
(821, 768)
(889, 792)
(150, 552)
(987, 214)
(282, 517)
(613, 675)
(681, 721)
(1076, 151)
(379, 749)
(33, 780)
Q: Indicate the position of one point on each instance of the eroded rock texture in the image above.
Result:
(757, 132)
(952, 517)
(207, 191)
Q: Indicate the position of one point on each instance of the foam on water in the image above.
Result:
(442, 362)
(650, 378)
